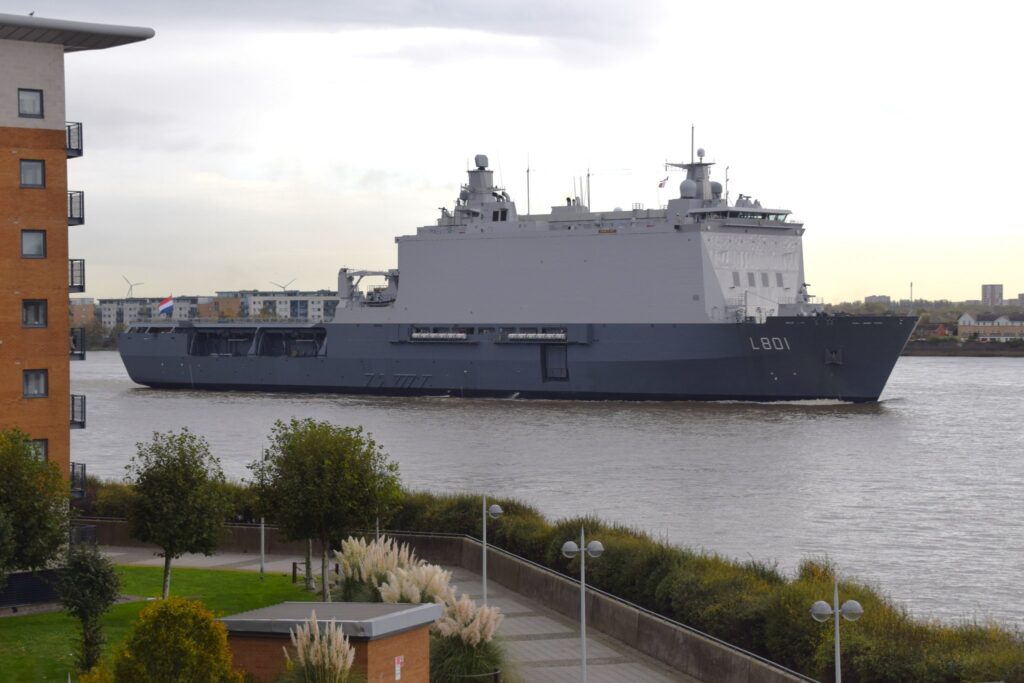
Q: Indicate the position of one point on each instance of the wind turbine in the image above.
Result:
(131, 286)
(284, 286)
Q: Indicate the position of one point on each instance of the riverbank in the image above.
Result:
(973, 349)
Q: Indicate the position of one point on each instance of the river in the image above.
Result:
(919, 494)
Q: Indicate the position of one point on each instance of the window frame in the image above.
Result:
(42, 448)
(42, 107)
(26, 304)
(21, 173)
(33, 232)
(25, 374)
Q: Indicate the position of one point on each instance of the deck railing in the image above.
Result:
(76, 207)
(76, 275)
(77, 411)
(73, 137)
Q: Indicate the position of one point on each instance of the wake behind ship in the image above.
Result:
(700, 300)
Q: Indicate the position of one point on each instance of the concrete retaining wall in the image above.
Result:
(683, 649)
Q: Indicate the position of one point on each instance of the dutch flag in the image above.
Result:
(166, 306)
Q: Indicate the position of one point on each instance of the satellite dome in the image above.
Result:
(716, 189)
(700, 152)
(481, 161)
(688, 189)
(464, 195)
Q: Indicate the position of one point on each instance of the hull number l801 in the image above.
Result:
(769, 343)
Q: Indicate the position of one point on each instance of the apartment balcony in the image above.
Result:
(77, 479)
(76, 207)
(76, 275)
(73, 136)
(77, 351)
(77, 411)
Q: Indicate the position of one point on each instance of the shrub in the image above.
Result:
(175, 640)
(113, 499)
(88, 588)
(320, 657)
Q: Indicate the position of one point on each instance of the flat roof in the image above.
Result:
(73, 35)
(357, 619)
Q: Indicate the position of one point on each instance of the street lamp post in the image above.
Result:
(571, 550)
(493, 512)
(851, 611)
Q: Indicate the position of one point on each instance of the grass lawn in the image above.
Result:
(41, 647)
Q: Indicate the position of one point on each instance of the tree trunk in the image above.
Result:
(325, 593)
(309, 564)
(167, 575)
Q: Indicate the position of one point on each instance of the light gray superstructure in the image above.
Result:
(699, 299)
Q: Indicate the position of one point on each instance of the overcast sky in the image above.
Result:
(259, 141)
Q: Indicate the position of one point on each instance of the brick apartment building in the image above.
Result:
(36, 209)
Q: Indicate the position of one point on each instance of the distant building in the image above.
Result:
(878, 299)
(82, 311)
(313, 306)
(991, 327)
(127, 311)
(992, 295)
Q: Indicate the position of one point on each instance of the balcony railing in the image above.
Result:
(76, 207)
(77, 479)
(77, 411)
(73, 133)
(77, 351)
(76, 275)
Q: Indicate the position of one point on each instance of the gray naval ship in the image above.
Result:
(700, 300)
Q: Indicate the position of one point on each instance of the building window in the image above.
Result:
(33, 244)
(735, 278)
(751, 282)
(33, 173)
(30, 103)
(778, 279)
(42, 448)
(33, 313)
(34, 384)
(764, 279)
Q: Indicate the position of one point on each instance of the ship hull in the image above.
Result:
(847, 358)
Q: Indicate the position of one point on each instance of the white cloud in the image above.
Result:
(892, 129)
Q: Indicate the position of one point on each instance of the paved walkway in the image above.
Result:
(543, 645)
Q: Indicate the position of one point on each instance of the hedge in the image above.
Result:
(750, 604)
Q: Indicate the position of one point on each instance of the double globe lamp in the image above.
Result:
(571, 550)
(851, 610)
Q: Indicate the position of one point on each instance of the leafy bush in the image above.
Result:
(451, 658)
(88, 588)
(175, 640)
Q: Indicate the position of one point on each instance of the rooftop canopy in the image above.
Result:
(73, 35)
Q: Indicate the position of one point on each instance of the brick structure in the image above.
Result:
(36, 209)
(391, 641)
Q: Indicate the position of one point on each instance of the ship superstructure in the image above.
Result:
(701, 299)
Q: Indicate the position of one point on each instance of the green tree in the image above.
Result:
(177, 503)
(176, 640)
(33, 505)
(318, 480)
(89, 587)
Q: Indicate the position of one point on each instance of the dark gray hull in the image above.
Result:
(844, 358)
